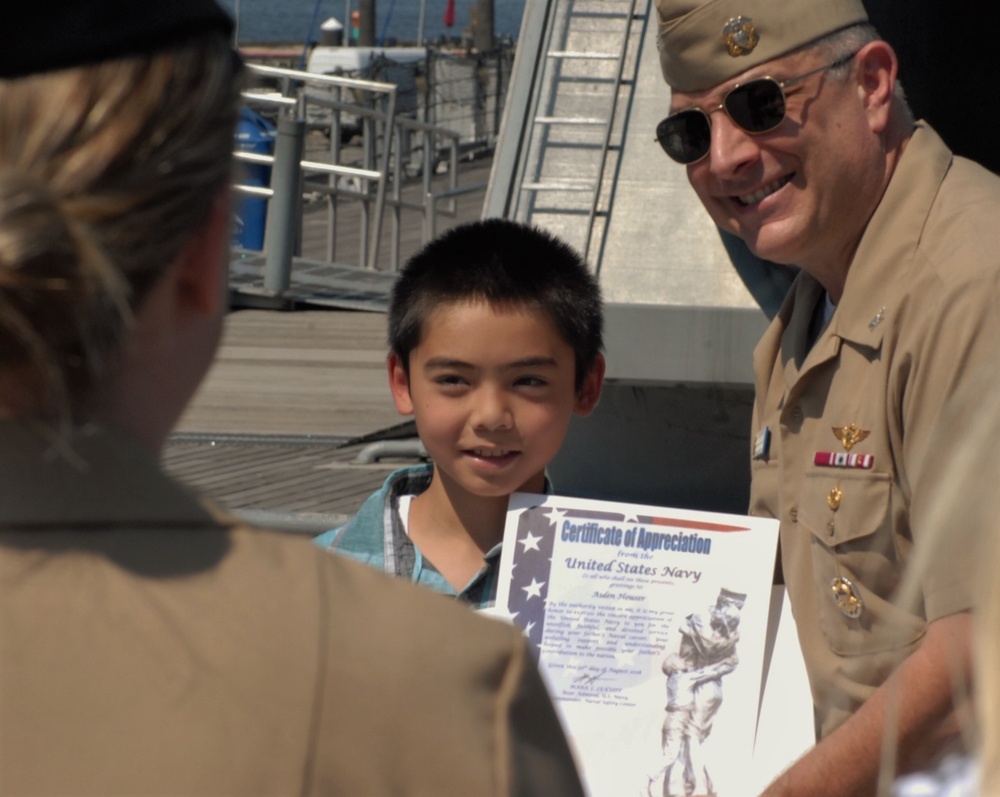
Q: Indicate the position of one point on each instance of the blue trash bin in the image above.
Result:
(253, 134)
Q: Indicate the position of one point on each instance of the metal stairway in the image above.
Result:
(572, 83)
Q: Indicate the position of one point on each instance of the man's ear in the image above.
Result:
(590, 392)
(203, 264)
(877, 68)
(399, 383)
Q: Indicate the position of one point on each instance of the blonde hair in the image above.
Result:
(105, 172)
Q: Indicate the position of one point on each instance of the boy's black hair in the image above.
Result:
(506, 264)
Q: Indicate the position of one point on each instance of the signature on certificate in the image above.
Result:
(589, 678)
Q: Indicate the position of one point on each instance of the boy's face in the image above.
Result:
(492, 393)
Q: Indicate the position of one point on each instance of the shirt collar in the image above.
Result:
(877, 277)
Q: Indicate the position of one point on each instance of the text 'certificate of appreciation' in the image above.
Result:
(649, 625)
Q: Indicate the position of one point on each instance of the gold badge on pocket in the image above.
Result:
(846, 596)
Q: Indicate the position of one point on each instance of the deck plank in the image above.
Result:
(267, 430)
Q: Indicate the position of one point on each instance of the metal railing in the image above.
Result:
(375, 177)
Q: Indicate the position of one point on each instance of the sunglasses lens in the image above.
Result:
(757, 106)
(685, 136)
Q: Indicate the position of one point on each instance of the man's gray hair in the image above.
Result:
(842, 44)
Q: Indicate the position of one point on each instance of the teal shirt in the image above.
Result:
(376, 536)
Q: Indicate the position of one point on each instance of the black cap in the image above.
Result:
(43, 35)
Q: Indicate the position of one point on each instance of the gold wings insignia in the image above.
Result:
(850, 435)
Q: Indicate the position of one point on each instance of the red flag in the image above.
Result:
(449, 14)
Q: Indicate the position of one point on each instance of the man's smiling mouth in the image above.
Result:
(767, 190)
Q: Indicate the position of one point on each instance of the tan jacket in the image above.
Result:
(918, 322)
(147, 647)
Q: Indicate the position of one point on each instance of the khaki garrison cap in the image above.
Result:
(705, 42)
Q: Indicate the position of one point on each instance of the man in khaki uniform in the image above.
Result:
(148, 643)
(796, 137)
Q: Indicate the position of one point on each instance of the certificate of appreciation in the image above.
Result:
(650, 626)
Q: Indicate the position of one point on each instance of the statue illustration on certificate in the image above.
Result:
(700, 654)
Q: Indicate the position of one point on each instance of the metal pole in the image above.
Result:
(420, 25)
(283, 210)
(366, 36)
(482, 34)
(389, 128)
(430, 216)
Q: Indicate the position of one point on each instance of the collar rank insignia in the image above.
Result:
(846, 596)
(850, 435)
(877, 319)
(740, 36)
(762, 443)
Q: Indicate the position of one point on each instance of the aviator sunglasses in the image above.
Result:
(755, 107)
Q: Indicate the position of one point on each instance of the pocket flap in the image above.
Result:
(844, 506)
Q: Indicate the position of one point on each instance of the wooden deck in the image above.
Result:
(303, 373)
(291, 400)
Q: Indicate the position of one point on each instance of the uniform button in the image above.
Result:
(793, 514)
(830, 527)
(797, 414)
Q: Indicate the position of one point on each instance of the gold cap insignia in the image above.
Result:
(846, 597)
(740, 36)
(849, 435)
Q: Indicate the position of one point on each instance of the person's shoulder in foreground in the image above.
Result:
(495, 336)
(172, 645)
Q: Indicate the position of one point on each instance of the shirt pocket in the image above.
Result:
(853, 549)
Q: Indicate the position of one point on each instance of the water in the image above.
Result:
(291, 21)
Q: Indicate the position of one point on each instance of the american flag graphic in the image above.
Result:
(537, 527)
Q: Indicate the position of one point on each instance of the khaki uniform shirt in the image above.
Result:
(919, 317)
(149, 646)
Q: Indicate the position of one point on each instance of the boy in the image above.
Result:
(495, 336)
